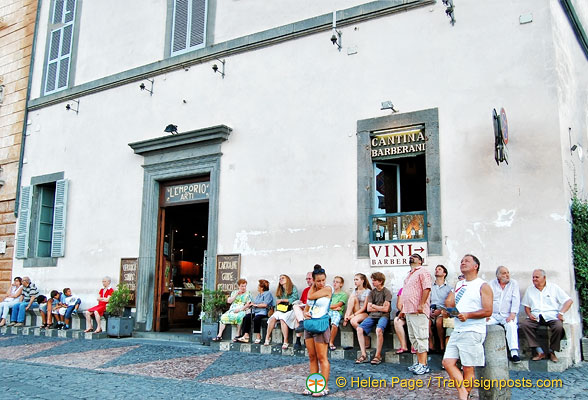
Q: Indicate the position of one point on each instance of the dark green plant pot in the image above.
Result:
(119, 326)
(209, 331)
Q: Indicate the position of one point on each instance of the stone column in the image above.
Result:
(496, 364)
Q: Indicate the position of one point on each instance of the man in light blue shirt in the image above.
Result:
(507, 300)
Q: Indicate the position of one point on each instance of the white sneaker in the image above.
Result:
(413, 366)
(421, 370)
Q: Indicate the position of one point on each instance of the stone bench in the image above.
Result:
(78, 321)
(346, 342)
(568, 355)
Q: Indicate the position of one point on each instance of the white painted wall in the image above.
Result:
(289, 172)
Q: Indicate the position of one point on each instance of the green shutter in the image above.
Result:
(24, 217)
(58, 238)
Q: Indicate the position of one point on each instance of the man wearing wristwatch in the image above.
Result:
(545, 304)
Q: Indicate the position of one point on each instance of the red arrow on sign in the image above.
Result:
(419, 250)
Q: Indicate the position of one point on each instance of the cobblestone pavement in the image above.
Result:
(54, 368)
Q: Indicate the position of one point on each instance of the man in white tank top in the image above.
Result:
(473, 299)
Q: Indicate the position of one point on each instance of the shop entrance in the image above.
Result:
(183, 238)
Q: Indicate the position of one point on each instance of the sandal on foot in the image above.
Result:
(400, 351)
(266, 343)
(332, 347)
(217, 339)
(243, 340)
(306, 392)
(257, 341)
(98, 331)
(284, 346)
(321, 394)
(236, 339)
(86, 331)
(361, 359)
(376, 361)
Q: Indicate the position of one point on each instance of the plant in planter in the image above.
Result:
(118, 324)
(214, 303)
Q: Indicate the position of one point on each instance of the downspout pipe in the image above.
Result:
(26, 111)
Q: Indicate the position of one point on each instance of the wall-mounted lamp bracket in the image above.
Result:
(336, 38)
(215, 67)
(387, 105)
(68, 107)
(143, 87)
(450, 10)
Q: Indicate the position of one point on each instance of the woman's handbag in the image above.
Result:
(282, 307)
(318, 325)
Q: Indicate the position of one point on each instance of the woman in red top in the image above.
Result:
(98, 310)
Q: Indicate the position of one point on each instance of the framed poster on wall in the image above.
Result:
(129, 271)
(228, 271)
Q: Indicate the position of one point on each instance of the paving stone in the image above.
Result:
(152, 369)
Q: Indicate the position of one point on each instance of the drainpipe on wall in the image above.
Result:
(26, 111)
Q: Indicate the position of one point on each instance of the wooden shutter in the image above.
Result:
(59, 211)
(24, 217)
(188, 25)
(60, 46)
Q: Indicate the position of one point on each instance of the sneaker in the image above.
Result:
(297, 346)
(421, 370)
(74, 312)
(413, 367)
(65, 327)
(516, 359)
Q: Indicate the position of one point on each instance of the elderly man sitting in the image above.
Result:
(507, 300)
(545, 304)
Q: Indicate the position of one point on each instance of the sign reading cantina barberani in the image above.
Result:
(398, 142)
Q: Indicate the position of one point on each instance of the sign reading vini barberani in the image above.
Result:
(187, 192)
(398, 142)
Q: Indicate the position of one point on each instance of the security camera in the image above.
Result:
(334, 39)
(214, 67)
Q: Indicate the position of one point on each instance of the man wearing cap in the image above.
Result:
(417, 308)
(507, 300)
(545, 304)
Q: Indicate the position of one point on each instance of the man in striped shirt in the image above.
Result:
(30, 293)
(417, 307)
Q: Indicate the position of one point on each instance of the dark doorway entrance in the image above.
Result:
(183, 233)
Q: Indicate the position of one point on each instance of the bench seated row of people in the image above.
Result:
(56, 309)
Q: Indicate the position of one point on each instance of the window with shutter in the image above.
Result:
(24, 216)
(58, 237)
(60, 46)
(188, 25)
(41, 221)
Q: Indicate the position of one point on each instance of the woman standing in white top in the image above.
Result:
(12, 297)
(319, 300)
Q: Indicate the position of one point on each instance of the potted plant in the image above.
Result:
(119, 322)
(214, 303)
